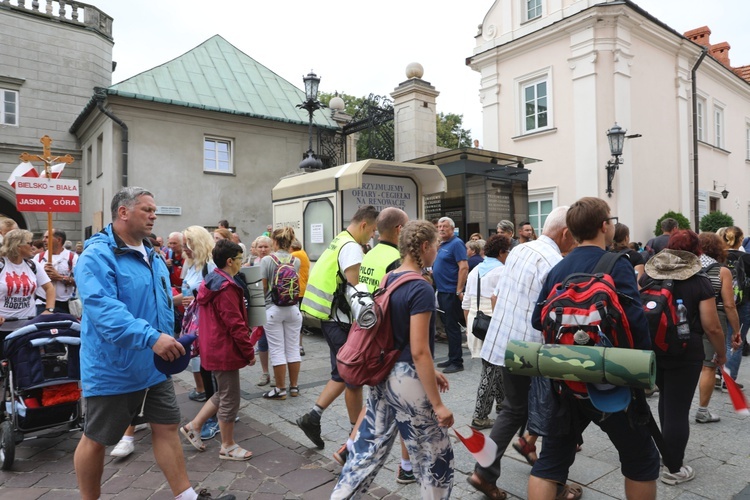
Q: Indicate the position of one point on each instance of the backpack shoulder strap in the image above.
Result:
(204, 270)
(404, 278)
(70, 261)
(31, 264)
(607, 262)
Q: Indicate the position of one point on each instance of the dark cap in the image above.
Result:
(179, 364)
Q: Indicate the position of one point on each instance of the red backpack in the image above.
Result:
(369, 354)
(589, 303)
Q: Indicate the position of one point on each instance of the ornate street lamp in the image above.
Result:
(616, 138)
(311, 104)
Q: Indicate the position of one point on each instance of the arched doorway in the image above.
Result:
(8, 209)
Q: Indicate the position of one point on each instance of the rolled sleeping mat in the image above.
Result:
(592, 364)
(256, 309)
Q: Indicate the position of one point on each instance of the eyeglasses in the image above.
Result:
(614, 219)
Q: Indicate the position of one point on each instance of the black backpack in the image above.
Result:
(736, 264)
(659, 307)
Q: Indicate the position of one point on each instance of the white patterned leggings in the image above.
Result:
(399, 405)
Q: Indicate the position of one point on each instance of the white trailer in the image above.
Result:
(319, 205)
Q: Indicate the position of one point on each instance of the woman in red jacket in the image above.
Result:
(225, 348)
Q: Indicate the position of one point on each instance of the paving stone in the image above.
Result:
(23, 480)
(305, 479)
(58, 481)
(118, 483)
(22, 493)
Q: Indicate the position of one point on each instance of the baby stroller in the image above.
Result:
(41, 382)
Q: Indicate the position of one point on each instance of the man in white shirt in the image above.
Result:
(60, 271)
(517, 291)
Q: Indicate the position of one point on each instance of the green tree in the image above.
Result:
(682, 221)
(715, 220)
(450, 133)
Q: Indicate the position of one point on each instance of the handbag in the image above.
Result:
(481, 321)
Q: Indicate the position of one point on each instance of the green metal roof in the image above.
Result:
(217, 76)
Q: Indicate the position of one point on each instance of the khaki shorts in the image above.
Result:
(708, 348)
(227, 395)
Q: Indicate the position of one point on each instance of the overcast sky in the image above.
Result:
(362, 47)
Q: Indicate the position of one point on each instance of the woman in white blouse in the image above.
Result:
(485, 276)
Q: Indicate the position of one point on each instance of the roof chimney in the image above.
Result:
(720, 52)
(699, 36)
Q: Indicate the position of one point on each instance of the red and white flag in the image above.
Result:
(735, 393)
(55, 171)
(480, 446)
(25, 169)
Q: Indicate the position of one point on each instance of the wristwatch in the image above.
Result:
(50, 309)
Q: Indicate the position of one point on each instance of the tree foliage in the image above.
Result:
(682, 221)
(450, 133)
(716, 220)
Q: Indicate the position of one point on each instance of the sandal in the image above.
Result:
(236, 453)
(563, 490)
(490, 490)
(276, 393)
(192, 436)
(524, 448)
(294, 391)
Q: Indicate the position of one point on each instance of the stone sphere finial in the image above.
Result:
(414, 70)
(337, 104)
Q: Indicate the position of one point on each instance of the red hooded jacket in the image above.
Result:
(222, 322)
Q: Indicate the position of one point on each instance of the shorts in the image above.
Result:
(639, 459)
(195, 365)
(336, 337)
(708, 348)
(107, 417)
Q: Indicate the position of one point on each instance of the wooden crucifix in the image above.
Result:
(48, 160)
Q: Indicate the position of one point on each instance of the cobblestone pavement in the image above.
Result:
(286, 465)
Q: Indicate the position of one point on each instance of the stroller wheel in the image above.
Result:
(7, 445)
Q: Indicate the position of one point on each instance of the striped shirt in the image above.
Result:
(520, 283)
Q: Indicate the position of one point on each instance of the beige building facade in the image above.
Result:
(557, 74)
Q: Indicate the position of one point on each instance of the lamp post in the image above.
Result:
(616, 138)
(311, 104)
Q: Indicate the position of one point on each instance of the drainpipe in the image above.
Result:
(693, 74)
(100, 98)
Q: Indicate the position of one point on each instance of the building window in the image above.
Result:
(535, 105)
(538, 211)
(217, 155)
(100, 155)
(719, 127)
(9, 108)
(533, 9)
(700, 107)
(89, 163)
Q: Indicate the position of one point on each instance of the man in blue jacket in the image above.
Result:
(127, 303)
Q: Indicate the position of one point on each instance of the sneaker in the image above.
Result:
(197, 396)
(205, 495)
(341, 455)
(454, 369)
(405, 476)
(705, 417)
(482, 423)
(724, 386)
(301, 351)
(141, 427)
(210, 429)
(311, 428)
(746, 349)
(123, 449)
(265, 379)
(444, 364)
(718, 383)
(686, 474)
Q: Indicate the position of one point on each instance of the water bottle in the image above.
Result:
(683, 328)
(185, 289)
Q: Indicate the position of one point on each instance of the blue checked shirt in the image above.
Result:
(521, 281)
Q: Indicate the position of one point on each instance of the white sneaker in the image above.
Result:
(123, 449)
(686, 474)
(141, 427)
